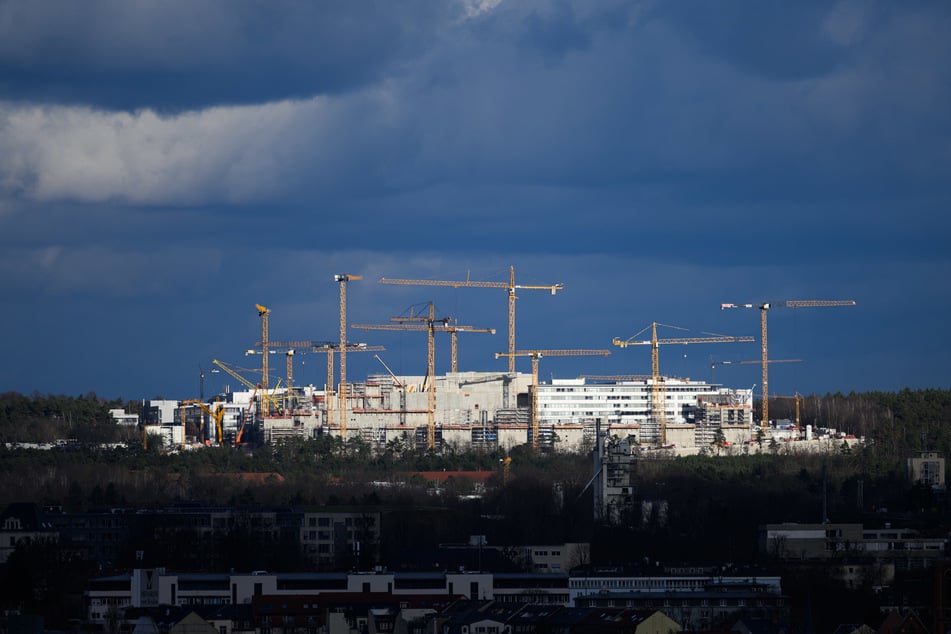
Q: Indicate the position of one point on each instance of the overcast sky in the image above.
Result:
(165, 166)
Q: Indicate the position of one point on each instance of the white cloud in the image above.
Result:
(479, 109)
(233, 155)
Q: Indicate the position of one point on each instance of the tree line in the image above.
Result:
(896, 426)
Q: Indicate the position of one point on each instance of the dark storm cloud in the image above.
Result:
(771, 38)
(182, 54)
(176, 162)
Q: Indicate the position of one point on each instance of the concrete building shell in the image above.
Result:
(493, 411)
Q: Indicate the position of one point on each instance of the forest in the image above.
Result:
(82, 475)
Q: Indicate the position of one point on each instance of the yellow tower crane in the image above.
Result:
(658, 391)
(264, 313)
(510, 286)
(342, 279)
(536, 355)
(797, 399)
(429, 325)
(764, 308)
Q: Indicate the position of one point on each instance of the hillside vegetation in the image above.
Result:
(313, 472)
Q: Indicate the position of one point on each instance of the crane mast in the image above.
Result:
(342, 280)
(264, 313)
(764, 347)
(454, 330)
(536, 355)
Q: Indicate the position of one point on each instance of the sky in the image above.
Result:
(166, 166)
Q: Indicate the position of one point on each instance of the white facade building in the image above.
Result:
(625, 405)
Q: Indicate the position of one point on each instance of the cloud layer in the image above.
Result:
(168, 149)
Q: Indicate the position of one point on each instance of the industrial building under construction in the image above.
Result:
(477, 410)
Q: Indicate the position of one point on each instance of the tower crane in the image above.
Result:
(427, 324)
(536, 355)
(342, 279)
(658, 391)
(264, 313)
(454, 329)
(447, 325)
(797, 398)
(763, 309)
(510, 286)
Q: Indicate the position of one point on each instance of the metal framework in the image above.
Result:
(658, 391)
(342, 280)
(764, 347)
(510, 286)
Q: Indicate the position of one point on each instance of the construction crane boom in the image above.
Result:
(511, 286)
(714, 364)
(797, 398)
(536, 355)
(243, 381)
(658, 389)
(454, 330)
(764, 345)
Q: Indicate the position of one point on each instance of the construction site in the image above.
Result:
(484, 411)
